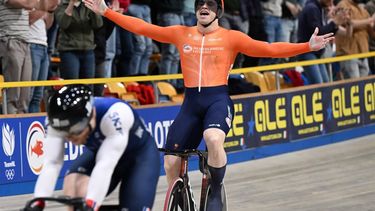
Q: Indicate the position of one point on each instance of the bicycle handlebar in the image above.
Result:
(77, 202)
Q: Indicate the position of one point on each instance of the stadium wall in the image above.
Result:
(263, 125)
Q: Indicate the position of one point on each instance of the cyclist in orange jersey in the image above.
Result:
(207, 54)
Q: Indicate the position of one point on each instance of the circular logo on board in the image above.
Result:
(34, 147)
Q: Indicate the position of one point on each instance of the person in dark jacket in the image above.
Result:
(76, 39)
(142, 46)
(256, 27)
(236, 17)
(312, 16)
(101, 36)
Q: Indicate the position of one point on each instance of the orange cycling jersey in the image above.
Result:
(206, 59)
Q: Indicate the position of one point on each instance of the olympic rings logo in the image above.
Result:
(9, 173)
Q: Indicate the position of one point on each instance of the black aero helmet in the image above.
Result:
(70, 108)
(220, 6)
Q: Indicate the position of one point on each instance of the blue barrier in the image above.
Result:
(263, 125)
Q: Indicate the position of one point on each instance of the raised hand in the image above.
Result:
(318, 42)
(97, 6)
(115, 6)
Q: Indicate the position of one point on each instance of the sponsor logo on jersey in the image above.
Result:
(115, 118)
(215, 39)
(35, 147)
(214, 125)
(187, 48)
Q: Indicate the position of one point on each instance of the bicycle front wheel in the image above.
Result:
(223, 197)
(177, 198)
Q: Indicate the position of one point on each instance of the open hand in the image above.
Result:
(97, 6)
(115, 6)
(318, 42)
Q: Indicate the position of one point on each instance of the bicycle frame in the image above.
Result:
(183, 173)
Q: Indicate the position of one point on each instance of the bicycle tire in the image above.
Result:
(223, 197)
(175, 197)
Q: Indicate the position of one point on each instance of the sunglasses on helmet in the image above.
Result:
(211, 4)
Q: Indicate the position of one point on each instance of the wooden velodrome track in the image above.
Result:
(337, 177)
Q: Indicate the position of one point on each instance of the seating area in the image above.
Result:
(129, 91)
(266, 80)
(167, 93)
(118, 90)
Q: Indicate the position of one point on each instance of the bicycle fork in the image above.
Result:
(188, 202)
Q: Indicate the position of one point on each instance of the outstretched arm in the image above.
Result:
(132, 24)
(251, 47)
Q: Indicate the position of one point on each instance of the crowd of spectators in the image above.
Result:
(89, 46)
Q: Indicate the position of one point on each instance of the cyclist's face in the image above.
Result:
(81, 137)
(206, 10)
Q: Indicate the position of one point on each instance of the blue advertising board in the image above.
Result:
(259, 123)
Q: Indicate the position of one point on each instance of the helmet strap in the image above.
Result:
(208, 24)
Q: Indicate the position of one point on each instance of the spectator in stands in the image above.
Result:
(188, 13)
(272, 23)
(101, 36)
(52, 51)
(169, 13)
(76, 39)
(362, 24)
(113, 47)
(236, 17)
(370, 7)
(15, 49)
(140, 59)
(125, 49)
(256, 27)
(290, 11)
(312, 16)
(40, 21)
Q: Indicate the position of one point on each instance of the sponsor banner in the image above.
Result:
(367, 93)
(257, 121)
(267, 120)
(306, 113)
(343, 106)
(23, 152)
(236, 137)
(10, 156)
(158, 121)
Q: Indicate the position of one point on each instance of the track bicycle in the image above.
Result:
(77, 203)
(180, 196)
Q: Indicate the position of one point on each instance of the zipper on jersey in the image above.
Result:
(201, 64)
